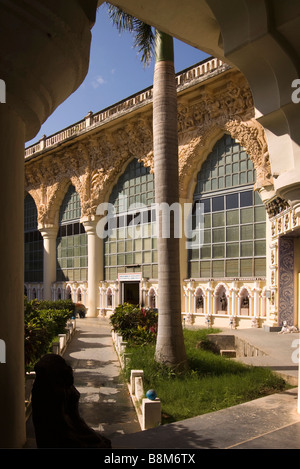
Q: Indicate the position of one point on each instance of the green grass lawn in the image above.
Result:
(211, 382)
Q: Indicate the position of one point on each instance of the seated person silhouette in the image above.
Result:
(55, 412)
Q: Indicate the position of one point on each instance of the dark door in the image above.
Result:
(131, 292)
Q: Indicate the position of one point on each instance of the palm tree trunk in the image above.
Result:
(170, 348)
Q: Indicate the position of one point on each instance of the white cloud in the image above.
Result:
(98, 81)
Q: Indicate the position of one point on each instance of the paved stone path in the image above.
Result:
(104, 403)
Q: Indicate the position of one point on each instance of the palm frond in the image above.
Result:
(143, 33)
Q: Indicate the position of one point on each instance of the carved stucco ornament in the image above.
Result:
(94, 164)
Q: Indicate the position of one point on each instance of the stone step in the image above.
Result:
(228, 353)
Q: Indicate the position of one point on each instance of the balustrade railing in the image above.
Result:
(93, 120)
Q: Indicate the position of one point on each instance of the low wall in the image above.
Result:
(148, 411)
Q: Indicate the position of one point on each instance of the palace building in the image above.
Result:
(238, 132)
(240, 269)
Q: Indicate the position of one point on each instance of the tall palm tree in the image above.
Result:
(170, 349)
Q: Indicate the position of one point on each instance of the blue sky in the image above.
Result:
(115, 72)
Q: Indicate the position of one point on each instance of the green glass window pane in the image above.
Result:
(83, 250)
(121, 233)
(129, 258)
(260, 230)
(147, 244)
(194, 269)
(83, 239)
(70, 275)
(246, 249)
(218, 235)
(77, 261)
(147, 271)
(154, 256)
(246, 232)
(207, 237)
(204, 269)
(218, 251)
(207, 220)
(228, 181)
(64, 242)
(232, 250)
(257, 200)
(228, 170)
(70, 263)
(243, 178)
(260, 214)
(218, 219)
(121, 259)
(113, 260)
(246, 268)
(70, 207)
(147, 258)
(235, 179)
(246, 215)
(232, 268)
(260, 267)
(154, 271)
(113, 273)
(121, 246)
(218, 268)
(195, 254)
(129, 245)
(137, 258)
(232, 233)
(243, 165)
(70, 252)
(113, 247)
(259, 248)
(232, 217)
(205, 252)
(138, 244)
(106, 249)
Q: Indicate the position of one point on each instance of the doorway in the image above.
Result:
(131, 292)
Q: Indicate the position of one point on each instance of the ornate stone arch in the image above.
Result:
(249, 134)
(220, 289)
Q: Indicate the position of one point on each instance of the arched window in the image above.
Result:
(68, 293)
(152, 298)
(72, 245)
(234, 231)
(33, 243)
(221, 300)
(130, 246)
(109, 298)
(199, 301)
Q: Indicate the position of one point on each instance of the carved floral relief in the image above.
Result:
(94, 163)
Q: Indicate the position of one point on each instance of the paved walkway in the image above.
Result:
(105, 405)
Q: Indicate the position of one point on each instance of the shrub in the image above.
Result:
(136, 325)
(44, 320)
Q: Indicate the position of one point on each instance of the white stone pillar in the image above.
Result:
(209, 291)
(12, 410)
(95, 266)
(49, 239)
(256, 293)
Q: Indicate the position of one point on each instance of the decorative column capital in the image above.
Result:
(49, 232)
(90, 225)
